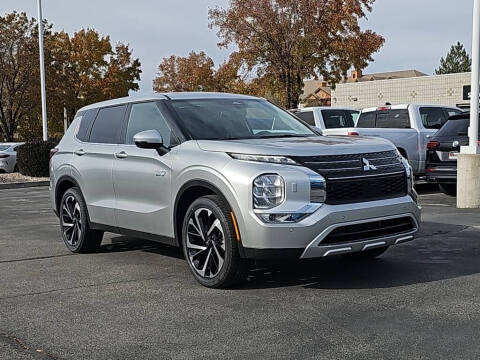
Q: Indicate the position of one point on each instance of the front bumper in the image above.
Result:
(304, 239)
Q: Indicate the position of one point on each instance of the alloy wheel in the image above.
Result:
(205, 243)
(71, 221)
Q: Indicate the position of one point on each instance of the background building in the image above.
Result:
(402, 87)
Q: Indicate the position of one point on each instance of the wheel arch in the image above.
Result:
(64, 183)
(189, 192)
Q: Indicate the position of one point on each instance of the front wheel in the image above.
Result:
(448, 189)
(76, 232)
(209, 243)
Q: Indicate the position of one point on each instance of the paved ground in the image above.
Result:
(136, 299)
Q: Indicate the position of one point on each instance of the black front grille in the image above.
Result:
(369, 231)
(345, 190)
(355, 178)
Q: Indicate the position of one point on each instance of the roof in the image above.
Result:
(311, 87)
(388, 75)
(172, 96)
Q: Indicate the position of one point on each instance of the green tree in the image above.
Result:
(456, 61)
(286, 41)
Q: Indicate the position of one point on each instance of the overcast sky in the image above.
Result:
(417, 32)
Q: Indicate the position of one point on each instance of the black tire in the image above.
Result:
(448, 189)
(203, 249)
(15, 169)
(74, 225)
(367, 254)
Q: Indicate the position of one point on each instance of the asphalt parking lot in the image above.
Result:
(137, 300)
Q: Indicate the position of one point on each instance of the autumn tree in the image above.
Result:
(80, 69)
(191, 73)
(287, 41)
(17, 55)
(456, 61)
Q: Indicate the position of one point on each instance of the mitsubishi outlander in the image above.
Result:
(228, 178)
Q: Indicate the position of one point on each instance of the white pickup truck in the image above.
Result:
(409, 127)
(326, 117)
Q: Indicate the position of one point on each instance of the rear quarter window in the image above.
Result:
(86, 120)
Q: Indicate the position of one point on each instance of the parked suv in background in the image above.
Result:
(442, 152)
(8, 157)
(228, 178)
(325, 118)
(408, 127)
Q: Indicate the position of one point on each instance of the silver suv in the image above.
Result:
(229, 178)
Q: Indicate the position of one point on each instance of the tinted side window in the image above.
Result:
(108, 125)
(337, 119)
(432, 117)
(307, 116)
(396, 119)
(86, 120)
(367, 119)
(147, 116)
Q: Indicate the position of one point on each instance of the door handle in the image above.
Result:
(121, 155)
(80, 152)
(428, 136)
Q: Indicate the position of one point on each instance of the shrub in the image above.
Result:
(33, 157)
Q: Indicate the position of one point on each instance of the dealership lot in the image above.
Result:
(137, 299)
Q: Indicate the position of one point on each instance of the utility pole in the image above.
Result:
(468, 166)
(42, 71)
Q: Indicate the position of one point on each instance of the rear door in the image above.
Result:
(142, 177)
(93, 161)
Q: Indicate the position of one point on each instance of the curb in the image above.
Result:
(24, 185)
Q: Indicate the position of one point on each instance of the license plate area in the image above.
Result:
(452, 155)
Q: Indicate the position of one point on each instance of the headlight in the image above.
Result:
(275, 159)
(268, 191)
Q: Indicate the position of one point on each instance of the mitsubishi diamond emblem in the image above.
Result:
(367, 166)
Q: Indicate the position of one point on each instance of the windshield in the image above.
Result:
(4, 147)
(226, 119)
(336, 118)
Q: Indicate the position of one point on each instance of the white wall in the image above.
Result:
(438, 89)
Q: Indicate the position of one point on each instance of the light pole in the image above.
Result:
(468, 167)
(42, 70)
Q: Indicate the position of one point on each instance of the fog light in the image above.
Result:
(281, 218)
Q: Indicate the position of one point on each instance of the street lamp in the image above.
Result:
(42, 71)
(468, 167)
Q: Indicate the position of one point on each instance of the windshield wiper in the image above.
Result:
(283, 136)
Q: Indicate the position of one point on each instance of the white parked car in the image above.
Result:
(8, 157)
(409, 127)
(326, 117)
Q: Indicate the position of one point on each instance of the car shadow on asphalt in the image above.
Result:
(127, 243)
(442, 251)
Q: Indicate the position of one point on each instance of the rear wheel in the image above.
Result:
(76, 232)
(210, 245)
(448, 189)
(367, 254)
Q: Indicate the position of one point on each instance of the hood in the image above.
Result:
(301, 146)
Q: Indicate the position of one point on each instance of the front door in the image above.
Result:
(142, 177)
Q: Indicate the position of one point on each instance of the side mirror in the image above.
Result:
(149, 139)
